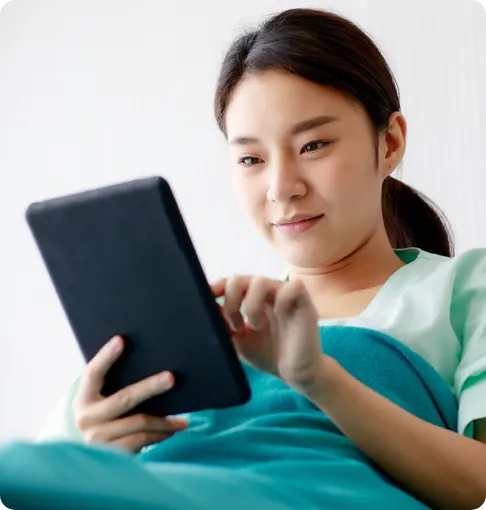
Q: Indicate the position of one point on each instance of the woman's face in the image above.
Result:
(301, 150)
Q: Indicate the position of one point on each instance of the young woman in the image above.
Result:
(312, 117)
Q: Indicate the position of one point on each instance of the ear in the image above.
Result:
(393, 144)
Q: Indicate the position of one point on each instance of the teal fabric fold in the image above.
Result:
(278, 451)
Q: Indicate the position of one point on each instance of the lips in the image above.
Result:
(297, 224)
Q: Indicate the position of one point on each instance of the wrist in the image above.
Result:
(325, 382)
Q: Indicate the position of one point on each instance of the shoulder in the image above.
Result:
(454, 288)
(468, 300)
(466, 271)
(468, 266)
(471, 267)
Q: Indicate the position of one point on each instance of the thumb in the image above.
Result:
(93, 378)
(292, 298)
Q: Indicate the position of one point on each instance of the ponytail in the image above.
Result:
(413, 220)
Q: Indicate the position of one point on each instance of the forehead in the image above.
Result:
(273, 101)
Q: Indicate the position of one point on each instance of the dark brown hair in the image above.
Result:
(328, 49)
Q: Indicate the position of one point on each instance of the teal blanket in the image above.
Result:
(277, 452)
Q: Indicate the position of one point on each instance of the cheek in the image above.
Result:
(335, 177)
(249, 193)
(349, 179)
(363, 192)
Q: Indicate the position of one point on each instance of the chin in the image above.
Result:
(307, 255)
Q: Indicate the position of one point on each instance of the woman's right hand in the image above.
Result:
(98, 418)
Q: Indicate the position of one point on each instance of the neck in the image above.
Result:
(369, 266)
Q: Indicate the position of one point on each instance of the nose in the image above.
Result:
(285, 182)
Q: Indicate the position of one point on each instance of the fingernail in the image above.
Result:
(165, 378)
(181, 423)
(116, 343)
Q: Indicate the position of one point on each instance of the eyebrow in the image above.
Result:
(309, 124)
(300, 127)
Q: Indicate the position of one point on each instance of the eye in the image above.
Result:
(249, 161)
(313, 146)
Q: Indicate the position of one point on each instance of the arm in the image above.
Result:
(444, 469)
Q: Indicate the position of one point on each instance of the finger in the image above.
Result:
(92, 381)
(235, 291)
(130, 425)
(125, 400)
(290, 298)
(260, 295)
(135, 442)
(221, 309)
(218, 287)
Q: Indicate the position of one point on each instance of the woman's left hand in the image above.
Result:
(280, 335)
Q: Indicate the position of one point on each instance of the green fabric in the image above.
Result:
(437, 307)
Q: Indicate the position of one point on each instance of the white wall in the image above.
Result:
(96, 92)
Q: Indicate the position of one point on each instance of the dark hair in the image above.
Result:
(331, 50)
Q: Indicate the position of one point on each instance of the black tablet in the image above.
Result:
(122, 263)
